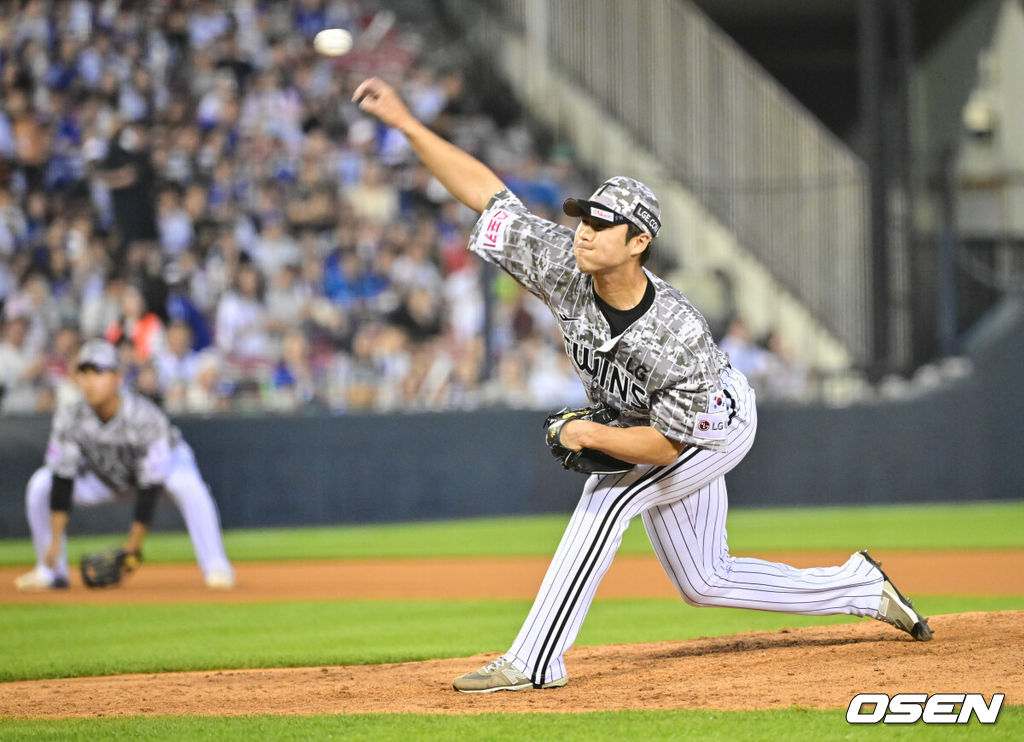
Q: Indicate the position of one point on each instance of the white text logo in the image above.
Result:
(909, 708)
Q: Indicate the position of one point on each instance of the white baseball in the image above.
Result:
(333, 42)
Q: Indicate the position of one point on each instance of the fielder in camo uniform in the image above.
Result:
(115, 443)
(687, 418)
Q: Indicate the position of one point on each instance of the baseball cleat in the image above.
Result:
(220, 579)
(897, 610)
(498, 675)
(39, 580)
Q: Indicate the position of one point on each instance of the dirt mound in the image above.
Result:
(631, 576)
(818, 667)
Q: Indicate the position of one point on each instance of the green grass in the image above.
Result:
(42, 641)
(972, 526)
(47, 641)
(793, 725)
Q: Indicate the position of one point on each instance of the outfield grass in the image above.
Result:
(44, 641)
(792, 725)
(974, 526)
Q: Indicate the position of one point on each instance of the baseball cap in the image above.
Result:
(99, 354)
(620, 200)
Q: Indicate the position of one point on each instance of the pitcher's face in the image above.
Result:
(601, 247)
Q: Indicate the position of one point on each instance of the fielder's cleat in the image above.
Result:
(897, 610)
(39, 580)
(498, 675)
(220, 579)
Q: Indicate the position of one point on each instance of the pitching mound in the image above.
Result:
(820, 667)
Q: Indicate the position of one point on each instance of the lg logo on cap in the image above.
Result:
(648, 219)
(909, 708)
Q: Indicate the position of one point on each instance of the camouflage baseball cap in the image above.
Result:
(99, 354)
(620, 200)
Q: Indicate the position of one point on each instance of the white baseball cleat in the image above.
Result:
(498, 675)
(39, 580)
(220, 579)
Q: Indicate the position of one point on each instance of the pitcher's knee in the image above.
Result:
(706, 597)
(706, 589)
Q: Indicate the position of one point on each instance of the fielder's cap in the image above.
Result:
(620, 200)
(99, 354)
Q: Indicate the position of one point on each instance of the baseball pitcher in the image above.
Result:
(681, 418)
(114, 443)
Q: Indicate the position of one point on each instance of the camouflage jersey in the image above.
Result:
(131, 451)
(664, 370)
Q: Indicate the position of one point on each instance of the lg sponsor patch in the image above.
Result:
(711, 425)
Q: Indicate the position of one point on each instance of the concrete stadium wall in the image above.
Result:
(958, 441)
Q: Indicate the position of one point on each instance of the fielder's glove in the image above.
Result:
(586, 460)
(107, 568)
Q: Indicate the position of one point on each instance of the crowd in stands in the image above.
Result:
(189, 180)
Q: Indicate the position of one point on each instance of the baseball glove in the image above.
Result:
(586, 460)
(107, 568)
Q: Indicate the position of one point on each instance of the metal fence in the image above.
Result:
(791, 192)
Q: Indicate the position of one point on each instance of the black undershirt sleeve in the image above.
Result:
(60, 494)
(144, 504)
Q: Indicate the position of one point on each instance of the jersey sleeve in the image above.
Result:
(536, 252)
(696, 416)
(63, 452)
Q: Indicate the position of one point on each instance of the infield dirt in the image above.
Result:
(994, 572)
(815, 667)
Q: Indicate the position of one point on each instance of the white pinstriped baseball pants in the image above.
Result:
(684, 507)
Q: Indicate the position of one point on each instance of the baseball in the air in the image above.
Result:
(333, 42)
